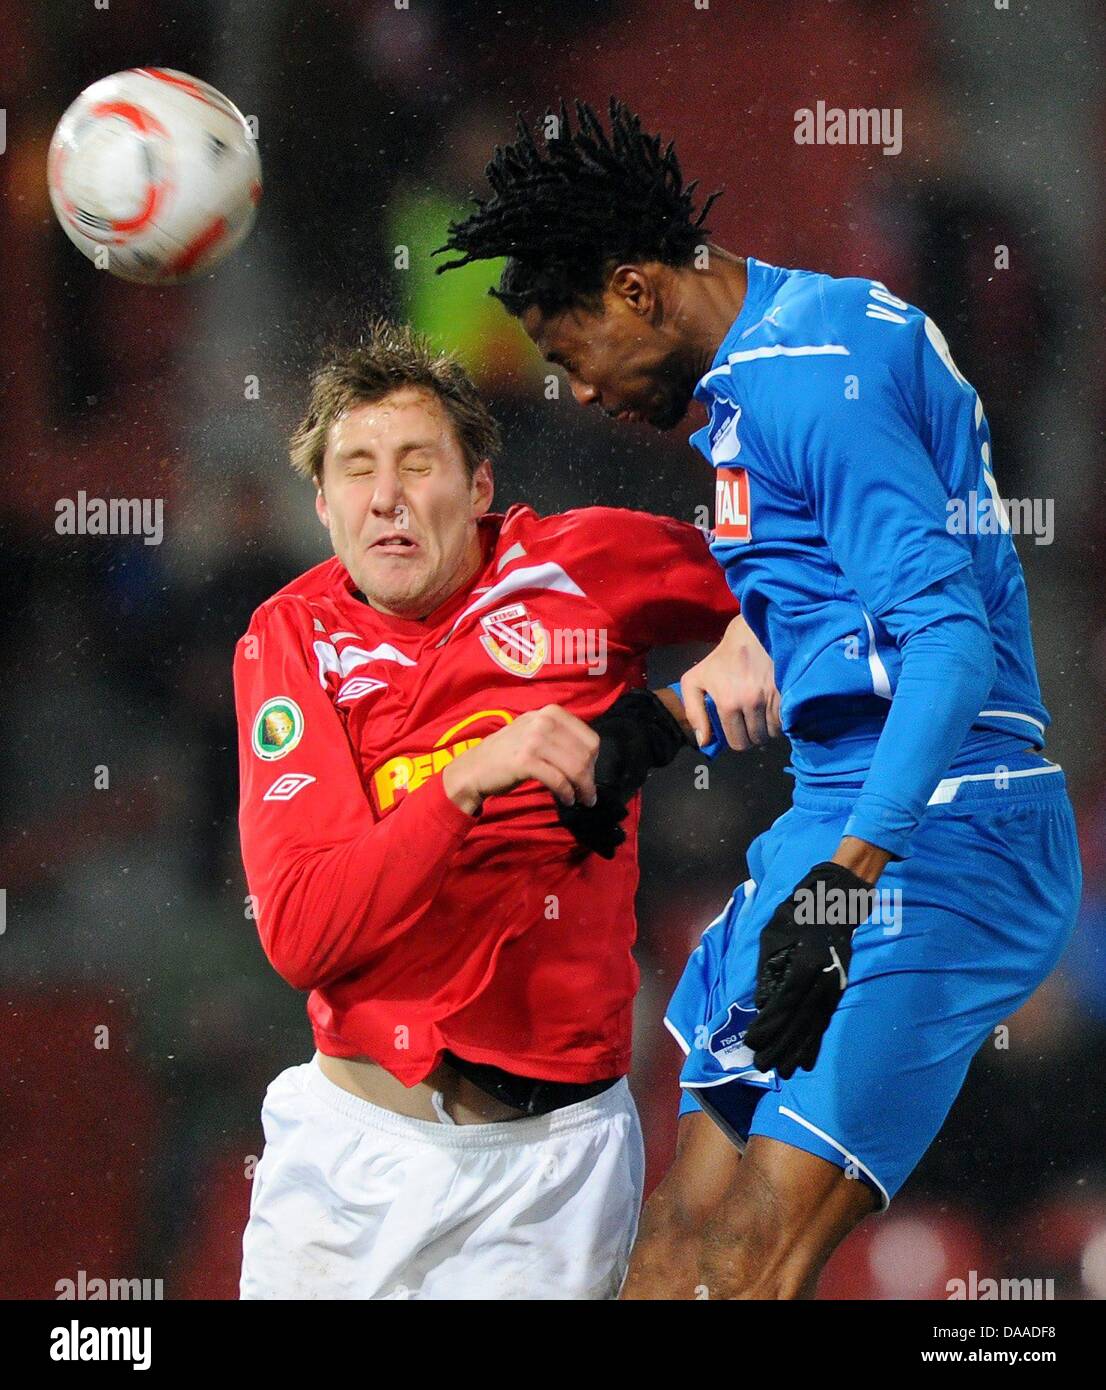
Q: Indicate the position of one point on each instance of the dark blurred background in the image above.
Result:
(139, 1020)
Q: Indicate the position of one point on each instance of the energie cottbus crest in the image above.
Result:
(515, 641)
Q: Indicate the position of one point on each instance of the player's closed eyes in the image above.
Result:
(369, 471)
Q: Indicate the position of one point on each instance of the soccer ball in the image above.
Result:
(154, 175)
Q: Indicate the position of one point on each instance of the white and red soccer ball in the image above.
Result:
(154, 175)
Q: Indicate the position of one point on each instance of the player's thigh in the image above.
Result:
(782, 1218)
(701, 1176)
(710, 1171)
(813, 1203)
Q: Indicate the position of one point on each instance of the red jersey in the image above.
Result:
(416, 926)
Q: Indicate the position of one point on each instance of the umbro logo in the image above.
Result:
(356, 687)
(287, 785)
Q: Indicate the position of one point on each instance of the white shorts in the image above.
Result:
(352, 1201)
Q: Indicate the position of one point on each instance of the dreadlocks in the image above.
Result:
(565, 215)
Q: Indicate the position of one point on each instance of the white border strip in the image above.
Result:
(776, 350)
(946, 789)
(721, 1081)
(1012, 714)
(549, 575)
(677, 1035)
(852, 1158)
(881, 681)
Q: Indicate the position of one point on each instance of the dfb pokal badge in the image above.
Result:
(277, 728)
(514, 640)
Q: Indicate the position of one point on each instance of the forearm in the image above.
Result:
(865, 860)
(324, 911)
(947, 672)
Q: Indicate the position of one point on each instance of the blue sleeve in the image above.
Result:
(948, 669)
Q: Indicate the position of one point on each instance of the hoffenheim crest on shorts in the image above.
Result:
(727, 1044)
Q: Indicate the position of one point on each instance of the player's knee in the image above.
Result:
(682, 1207)
(752, 1220)
(746, 1252)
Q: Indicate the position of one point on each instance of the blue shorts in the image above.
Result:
(963, 931)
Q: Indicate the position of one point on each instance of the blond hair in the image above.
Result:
(389, 357)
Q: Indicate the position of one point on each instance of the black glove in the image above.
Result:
(805, 951)
(636, 735)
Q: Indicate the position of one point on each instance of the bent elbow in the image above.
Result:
(292, 963)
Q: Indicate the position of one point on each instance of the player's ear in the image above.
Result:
(482, 487)
(321, 509)
(634, 287)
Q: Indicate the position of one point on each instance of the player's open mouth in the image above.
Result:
(394, 544)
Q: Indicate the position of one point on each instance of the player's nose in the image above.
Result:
(387, 495)
(582, 393)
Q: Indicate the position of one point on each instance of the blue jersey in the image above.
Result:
(853, 474)
(850, 457)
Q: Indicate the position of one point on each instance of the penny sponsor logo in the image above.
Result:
(406, 773)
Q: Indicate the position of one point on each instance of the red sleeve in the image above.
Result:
(331, 885)
(655, 576)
